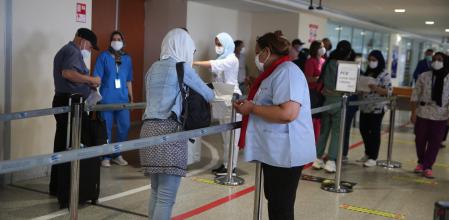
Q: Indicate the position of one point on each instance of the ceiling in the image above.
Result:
(379, 12)
(382, 12)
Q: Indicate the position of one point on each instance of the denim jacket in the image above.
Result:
(162, 89)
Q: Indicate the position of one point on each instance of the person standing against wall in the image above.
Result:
(430, 113)
(114, 67)
(240, 53)
(225, 69)
(70, 75)
(371, 115)
(330, 120)
(423, 65)
(277, 127)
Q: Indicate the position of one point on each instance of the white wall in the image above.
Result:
(40, 29)
(204, 22)
(305, 20)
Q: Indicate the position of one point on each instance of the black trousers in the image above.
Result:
(280, 185)
(370, 128)
(60, 137)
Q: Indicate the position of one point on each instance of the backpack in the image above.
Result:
(196, 111)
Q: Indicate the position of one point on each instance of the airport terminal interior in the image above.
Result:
(402, 31)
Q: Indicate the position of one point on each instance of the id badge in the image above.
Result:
(117, 84)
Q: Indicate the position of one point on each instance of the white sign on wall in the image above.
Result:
(347, 74)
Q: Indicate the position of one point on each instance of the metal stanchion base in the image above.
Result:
(389, 164)
(233, 181)
(330, 186)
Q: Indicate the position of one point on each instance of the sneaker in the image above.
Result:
(428, 174)
(345, 159)
(105, 163)
(224, 172)
(363, 159)
(370, 163)
(318, 164)
(219, 169)
(418, 169)
(330, 166)
(120, 161)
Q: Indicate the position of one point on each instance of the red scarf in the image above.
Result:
(252, 92)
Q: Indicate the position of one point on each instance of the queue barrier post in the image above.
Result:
(76, 121)
(389, 163)
(231, 179)
(336, 185)
(257, 212)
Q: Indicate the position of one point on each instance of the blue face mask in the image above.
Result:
(429, 58)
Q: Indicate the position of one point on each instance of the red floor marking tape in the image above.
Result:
(238, 194)
(214, 204)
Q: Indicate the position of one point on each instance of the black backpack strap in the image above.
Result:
(180, 73)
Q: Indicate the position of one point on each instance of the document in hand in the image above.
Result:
(364, 82)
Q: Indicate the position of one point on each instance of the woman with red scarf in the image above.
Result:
(277, 126)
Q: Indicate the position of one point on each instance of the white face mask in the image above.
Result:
(219, 50)
(437, 65)
(117, 45)
(259, 64)
(242, 51)
(298, 48)
(373, 64)
(322, 51)
(85, 53)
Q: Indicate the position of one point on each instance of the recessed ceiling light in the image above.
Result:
(447, 30)
(399, 10)
(338, 28)
(430, 22)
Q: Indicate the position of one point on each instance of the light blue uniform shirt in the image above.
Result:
(282, 145)
(162, 89)
(108, 71)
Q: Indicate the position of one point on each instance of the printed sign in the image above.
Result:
(81, 12)
(347, 74)
(313, 28)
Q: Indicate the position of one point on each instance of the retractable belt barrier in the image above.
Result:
(9, 166)
(76, 154)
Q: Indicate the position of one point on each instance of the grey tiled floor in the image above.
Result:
(395, 191)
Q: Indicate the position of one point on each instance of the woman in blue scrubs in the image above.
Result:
(114, 67)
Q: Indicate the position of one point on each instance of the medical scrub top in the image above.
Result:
(114, 77)
(282, 145)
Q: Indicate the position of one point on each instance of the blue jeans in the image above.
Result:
(163, 195)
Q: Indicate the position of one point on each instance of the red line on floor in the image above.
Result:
(240, 193)
(214, 204)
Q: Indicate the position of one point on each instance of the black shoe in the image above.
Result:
(224, 172)
(443, 146)
(219, 169)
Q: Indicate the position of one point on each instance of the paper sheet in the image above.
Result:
(93, 97)
(221, 106)
(364, 82)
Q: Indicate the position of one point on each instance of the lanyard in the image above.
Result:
(117, 67)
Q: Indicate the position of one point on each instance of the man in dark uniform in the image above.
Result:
(71, 76)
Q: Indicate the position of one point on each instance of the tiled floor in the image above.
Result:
(124, 190)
